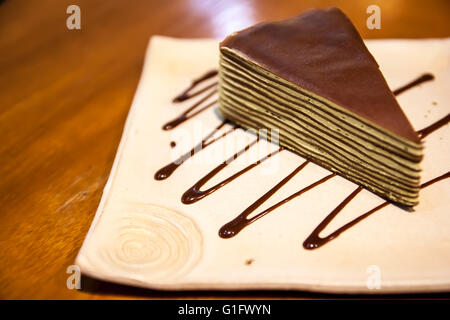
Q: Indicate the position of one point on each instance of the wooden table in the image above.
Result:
(65, 95)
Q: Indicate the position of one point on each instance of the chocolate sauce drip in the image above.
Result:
(233, 227)
(194, 193)
(187, 113)
(314, 240)
(437, 179)
(433, 127)
(166, 171)
(240, 222)
(423, 78)
(186, 95)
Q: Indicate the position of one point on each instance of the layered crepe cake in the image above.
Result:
(312, 78)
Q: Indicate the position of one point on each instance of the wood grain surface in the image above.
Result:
(65, 95)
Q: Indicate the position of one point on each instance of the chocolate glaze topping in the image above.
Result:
(334, 65)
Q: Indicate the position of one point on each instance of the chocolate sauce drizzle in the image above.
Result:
(314, 240)
(167, 171)
(423, 78)
(194, 193)
(433, 127)
(185, 95)
(233, 227)
(241, 221)
(199, 105)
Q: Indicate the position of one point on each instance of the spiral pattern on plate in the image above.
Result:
(156, 242)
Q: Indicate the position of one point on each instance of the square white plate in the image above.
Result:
(143, 235)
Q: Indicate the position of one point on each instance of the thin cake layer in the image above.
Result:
(384, 160)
